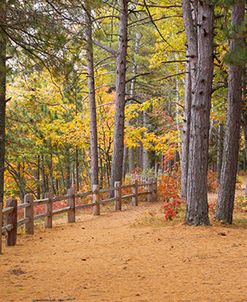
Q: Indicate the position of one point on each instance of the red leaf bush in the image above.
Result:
(169, 192)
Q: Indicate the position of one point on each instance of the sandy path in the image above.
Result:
(107, 259)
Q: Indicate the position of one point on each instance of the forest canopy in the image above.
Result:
(93, 92)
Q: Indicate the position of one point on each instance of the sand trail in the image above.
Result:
(115, 257)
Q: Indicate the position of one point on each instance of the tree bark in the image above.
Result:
(244, 114)
(20, 180)
(225, 206)
(197, 201)
(131, 151)
(3, 71)
(146, 155)
(118, 140)
(92, 98)
(245, 134)
(245, 143)
(43, 184)
(186, 133)
(244, 111)
(190, 22)
(140, 156)
(131, 157)
(67, 168)
(77, 170)
(51, 174)
(125, 157)
(220, 143)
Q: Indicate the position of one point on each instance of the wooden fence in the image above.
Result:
(10, 212)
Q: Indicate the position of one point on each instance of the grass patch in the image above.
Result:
(155, 218)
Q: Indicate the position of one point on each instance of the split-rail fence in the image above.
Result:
(97, 198)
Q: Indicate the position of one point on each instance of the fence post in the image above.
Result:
(28, 214)
(48, 207)
(71, 203)
(96, 207)
(11, 218)
(135, 192)
(118, 195)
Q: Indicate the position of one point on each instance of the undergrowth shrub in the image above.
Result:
(169, 190)
(241, 203)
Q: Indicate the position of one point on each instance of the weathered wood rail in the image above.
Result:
(97, 198)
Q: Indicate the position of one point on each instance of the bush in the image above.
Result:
(169, 192)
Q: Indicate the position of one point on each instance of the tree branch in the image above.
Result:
(137, 76)
(106, 48)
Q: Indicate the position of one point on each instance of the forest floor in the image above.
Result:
(133, 255)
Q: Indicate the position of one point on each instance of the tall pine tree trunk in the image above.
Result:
(2, 109)
(226, 195)
(131, 151)
(190, 22)
(118, 140)
(92, 100)
(197, 201)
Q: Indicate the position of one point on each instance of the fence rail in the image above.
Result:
(10, 212)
